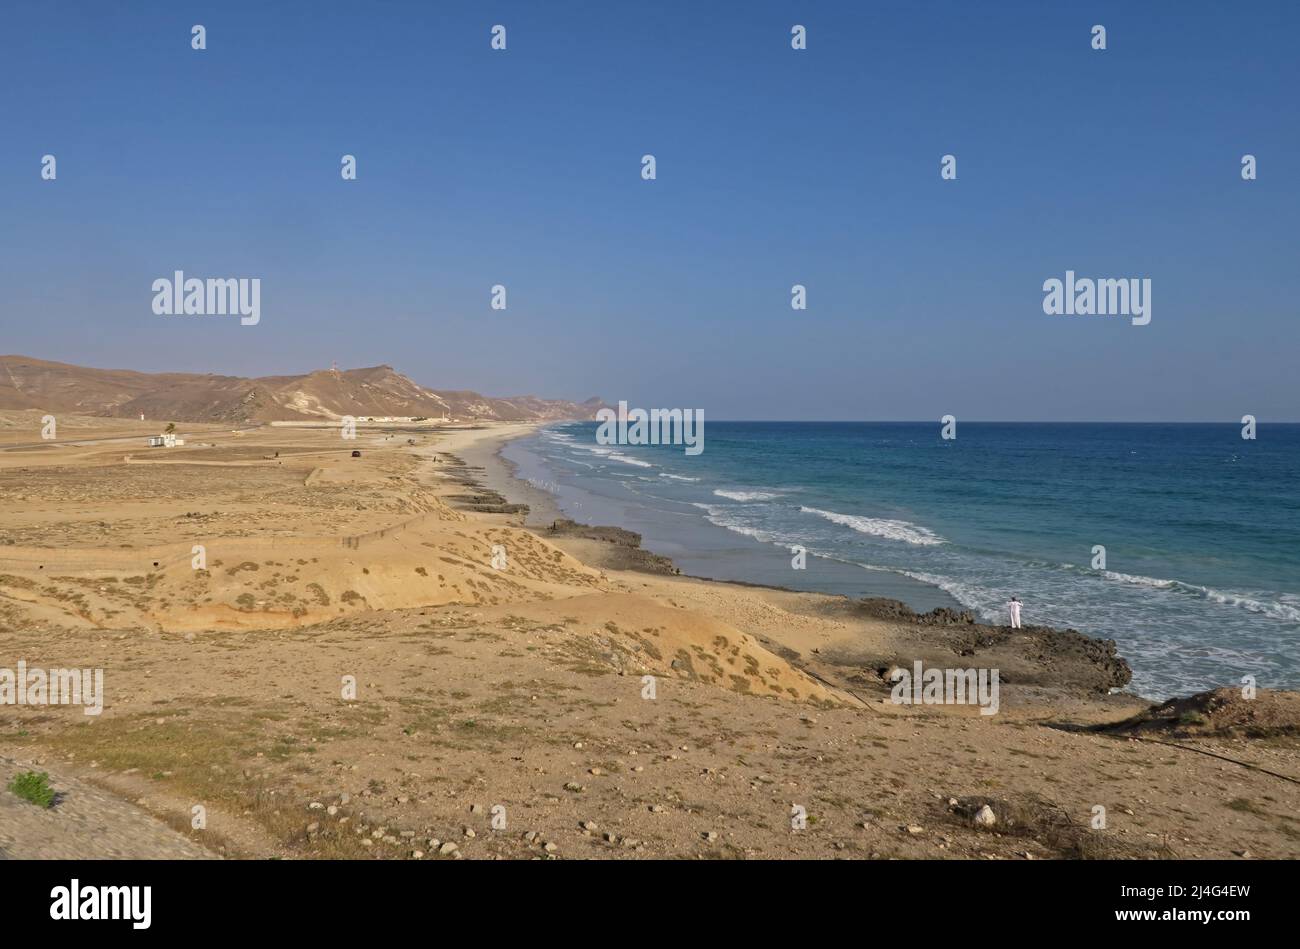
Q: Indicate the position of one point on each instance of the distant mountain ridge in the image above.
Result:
(27, 383)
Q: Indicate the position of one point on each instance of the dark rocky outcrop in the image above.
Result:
(625, 551)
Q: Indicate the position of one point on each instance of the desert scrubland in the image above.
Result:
(375, 657)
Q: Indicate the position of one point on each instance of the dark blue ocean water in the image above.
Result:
(1201, 528)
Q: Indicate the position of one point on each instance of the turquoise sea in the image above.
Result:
(1201, 528)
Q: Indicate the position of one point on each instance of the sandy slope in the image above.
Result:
(521, 683)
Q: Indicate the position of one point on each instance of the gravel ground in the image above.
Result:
(85, 823)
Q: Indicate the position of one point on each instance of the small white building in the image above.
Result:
(165, 441)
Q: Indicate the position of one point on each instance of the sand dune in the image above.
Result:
(643, 636)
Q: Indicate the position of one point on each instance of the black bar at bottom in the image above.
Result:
(333, 899)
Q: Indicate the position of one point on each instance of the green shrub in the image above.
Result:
(34, 787)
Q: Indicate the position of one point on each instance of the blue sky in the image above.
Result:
(775, 167)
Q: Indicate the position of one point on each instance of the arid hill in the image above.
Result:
(27, 383)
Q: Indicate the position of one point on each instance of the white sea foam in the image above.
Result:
(747, 495)
(722, 517)
(969, 595)
(881, 527)
(630, 461)
(664, 474)
(1270, 608)
(612, 454)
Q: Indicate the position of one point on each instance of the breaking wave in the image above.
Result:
(889, 529)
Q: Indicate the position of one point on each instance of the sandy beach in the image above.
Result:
(385, 656)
